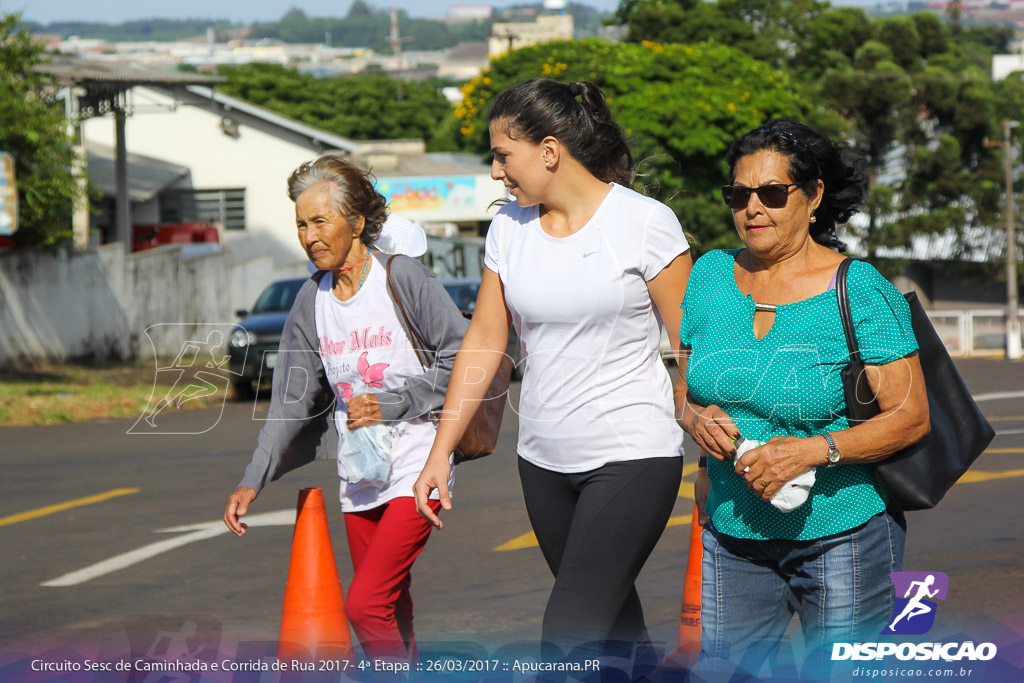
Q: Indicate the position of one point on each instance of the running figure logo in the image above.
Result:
(914, 612)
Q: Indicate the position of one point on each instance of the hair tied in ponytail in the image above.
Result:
(537, 108)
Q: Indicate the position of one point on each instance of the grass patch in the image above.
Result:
(72, 393)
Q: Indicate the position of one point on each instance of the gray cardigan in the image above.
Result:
(299, 427)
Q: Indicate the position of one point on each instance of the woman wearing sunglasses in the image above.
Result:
(583, 266)
(766, 349)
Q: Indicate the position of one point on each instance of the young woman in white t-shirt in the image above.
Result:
(584, 267)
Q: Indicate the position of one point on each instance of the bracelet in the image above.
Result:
(702, 462)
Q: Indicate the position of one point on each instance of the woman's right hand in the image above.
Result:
(711, 429)
(435, 475)
(238, 505)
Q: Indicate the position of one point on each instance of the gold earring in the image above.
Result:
(813, 218)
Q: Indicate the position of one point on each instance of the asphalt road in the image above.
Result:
(465, 588)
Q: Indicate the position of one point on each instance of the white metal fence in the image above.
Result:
(976, 332)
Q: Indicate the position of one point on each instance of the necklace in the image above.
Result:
(357, 263)
(366, 269)
(365, 263)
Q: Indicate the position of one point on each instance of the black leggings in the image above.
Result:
(596, 530)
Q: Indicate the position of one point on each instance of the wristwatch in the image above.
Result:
(833, 452)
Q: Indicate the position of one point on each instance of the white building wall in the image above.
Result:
(1004, 65)
(256, 160)
(545, 29)
(106, 304)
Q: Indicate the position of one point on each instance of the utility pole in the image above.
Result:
(510, 37)
(396, 47)
(1013, 345)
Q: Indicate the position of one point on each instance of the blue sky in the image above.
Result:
(46, 11)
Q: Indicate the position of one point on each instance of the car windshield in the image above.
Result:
(278, 296)
(463, 294)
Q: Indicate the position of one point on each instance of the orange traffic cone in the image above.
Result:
(689, 613)
(313, 621)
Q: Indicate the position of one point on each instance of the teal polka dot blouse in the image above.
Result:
(787, 384)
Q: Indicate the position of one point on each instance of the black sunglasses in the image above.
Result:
(773, 196)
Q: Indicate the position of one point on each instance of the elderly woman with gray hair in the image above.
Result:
(348, 329)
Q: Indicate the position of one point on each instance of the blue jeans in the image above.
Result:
(838, 585)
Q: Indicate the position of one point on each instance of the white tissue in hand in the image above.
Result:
(794, 493)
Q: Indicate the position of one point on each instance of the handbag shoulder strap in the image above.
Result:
(843, 295)
(414, 337)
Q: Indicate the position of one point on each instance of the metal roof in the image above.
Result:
(435, 164)
(147, 176)
(203, 95)
(470, 52)
(83, 72)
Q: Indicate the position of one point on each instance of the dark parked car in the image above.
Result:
(253, 345)
(463, 292)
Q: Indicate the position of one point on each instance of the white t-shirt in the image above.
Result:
(594, 387)
(364, 348)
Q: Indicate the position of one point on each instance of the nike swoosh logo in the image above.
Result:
(589, 254)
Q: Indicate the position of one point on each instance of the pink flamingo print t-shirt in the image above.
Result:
(364, 349)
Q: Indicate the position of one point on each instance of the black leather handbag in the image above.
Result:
(918, 476)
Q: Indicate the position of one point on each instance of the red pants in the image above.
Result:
(383, 543)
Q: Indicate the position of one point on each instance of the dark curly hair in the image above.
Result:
(353, 192)
(576, 114)
(812, 156)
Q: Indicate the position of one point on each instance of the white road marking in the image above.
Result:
(196, 532)
(995, 396)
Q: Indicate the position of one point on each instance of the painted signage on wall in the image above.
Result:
(441, 198)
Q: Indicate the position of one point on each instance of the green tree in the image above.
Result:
(979, 43)
(359, 9)
(935, 37)
(876, 97)
(371, 29)
(364, 107)
(900, 35)
(766, 29)
(920, 112)
(136, 30)
(912, 93)
(690, 21)
(680, 106)
(34, 132)
(830, 41)
(1009, 94)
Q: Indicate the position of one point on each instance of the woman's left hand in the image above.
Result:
(363, 411)
(782, 459)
